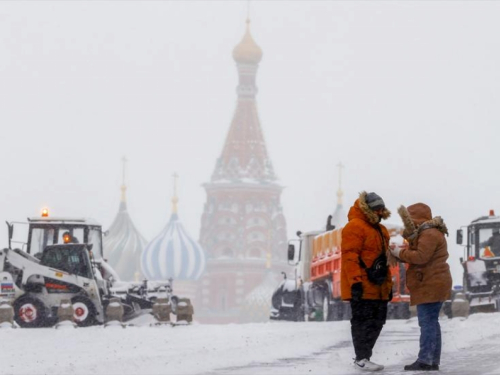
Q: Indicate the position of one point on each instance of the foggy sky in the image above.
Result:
(405, 94)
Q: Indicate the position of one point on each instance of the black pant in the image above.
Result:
(368, 318)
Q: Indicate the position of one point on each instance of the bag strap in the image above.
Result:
(384, 250)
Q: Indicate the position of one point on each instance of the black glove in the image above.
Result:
(356, 291)
(390, 296)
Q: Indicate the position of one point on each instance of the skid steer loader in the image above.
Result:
(63, 259)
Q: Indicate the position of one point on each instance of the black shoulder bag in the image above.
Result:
(377, 273)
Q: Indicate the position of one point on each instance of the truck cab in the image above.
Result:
(481, 262)
(314, 294)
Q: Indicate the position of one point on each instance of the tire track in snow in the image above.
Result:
(288, 366)
(471, 360)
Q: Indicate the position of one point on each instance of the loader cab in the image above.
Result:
(46, 231)
(71, 258)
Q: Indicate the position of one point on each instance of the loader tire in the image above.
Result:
(30, 312)
(85, 311)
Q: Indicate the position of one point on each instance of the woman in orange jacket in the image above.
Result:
(365, 276)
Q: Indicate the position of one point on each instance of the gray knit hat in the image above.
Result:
(374, 201)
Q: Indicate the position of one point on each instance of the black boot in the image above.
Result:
(419, 366)
(434, 367)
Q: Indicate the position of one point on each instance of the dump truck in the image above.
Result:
(61, 259)
(481, 263)
(313, 294)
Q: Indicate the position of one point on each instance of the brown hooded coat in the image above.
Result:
(428, 277)
(361, 239)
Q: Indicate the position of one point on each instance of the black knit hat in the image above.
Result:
(374, 201)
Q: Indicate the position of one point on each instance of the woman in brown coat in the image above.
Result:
(428, 278)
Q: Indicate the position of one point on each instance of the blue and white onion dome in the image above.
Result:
(173, 253)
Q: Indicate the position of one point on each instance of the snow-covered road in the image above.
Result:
(470, 348)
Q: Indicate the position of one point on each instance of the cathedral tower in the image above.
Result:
(242, 220)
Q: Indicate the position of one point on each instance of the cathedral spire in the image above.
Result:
(244, 156)
(175, 199)
(339, 217)
(242, 228)
(340, 193)
(123, 188)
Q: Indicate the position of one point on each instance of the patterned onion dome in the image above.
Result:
(247, 51)
(258, 303)
(173, 253)
(123, 244)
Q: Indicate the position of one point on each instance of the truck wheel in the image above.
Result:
(85, 312)
(29, 312)
(327, 309)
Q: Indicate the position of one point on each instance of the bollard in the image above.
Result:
(114, 312)
(460, 306)
(162, 310)
(185, 310)
(6, 315)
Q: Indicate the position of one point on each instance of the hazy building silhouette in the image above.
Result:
(242, 221)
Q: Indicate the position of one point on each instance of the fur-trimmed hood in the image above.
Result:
(361, 210)
(417, 218)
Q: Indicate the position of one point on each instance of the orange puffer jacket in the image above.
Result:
(362, 239)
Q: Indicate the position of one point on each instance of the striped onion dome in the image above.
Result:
(173, 253)
(123, 244)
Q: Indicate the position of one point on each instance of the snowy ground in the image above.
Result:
(470, 347)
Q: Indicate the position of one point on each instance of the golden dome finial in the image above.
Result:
(175, 199)
(247, 51)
